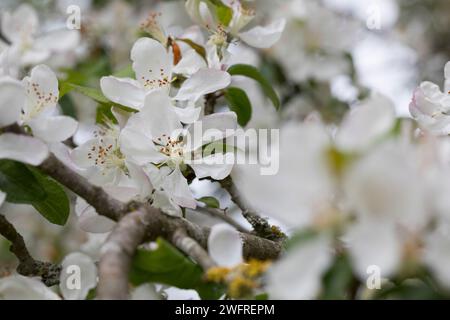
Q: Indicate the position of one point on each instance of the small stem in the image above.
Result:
(192, 249)
(210, 104)
(260, 225)
(28, 266)
(220, 214)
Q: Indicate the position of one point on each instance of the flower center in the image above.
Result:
(171, 147)
(107, 156)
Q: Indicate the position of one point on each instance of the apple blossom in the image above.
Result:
(156, 74)
(430, 106)
(155, 136)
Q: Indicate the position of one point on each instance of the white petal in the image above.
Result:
(53, 129)
(139, 147)
(225, 245)
(151, 63)
(140, 180)
(178, 189)
(78, 276)
(203, 82)
(447, 71)
(34, 56)
(2, 198)
(42, 88)
(161, 115)
(211, 128)
(145, 291)
(264, 37)
(59, 40)
(162, 201)
(22, 148)
(190, 63)
(365, 124)
(23, 288)
(447, 77)
(299, 273)
(121, 116)
(217, 166)
(124, 91)
(436, 254)
(12, 97)
(189, 114)
(374, 244)
(89, 220)
(80, 155)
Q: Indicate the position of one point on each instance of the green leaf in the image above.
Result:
(224, 13)
(93, 93)
(168, 266)
(126, 72)
(67, 106)
(104, 114)
(55, 206)
(410, 289)
(253, 73)
(198, 48)
(19, 183)
(211, 202)
(338, 279)
(300, 237)
(239, 102)
(262, 296)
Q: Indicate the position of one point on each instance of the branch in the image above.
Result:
(117, 254)
(144, 223)
(104, 203)
(261, 226)
(27, 265)
(192, 249)
(220, 214)
(254, 247)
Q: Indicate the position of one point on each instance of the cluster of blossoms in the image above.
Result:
(371, 188)
(144, 153)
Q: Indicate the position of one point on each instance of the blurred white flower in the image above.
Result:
(298, 273)
(258, 37)
(366, 124)
(17, 287)
(28, 44)
(304, 182)
(314, 42)
(431, 107)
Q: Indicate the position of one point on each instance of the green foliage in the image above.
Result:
(239, 102)
(338, 280)
(300, 237)
(253, 73)
(223, 13)
(198, 48)
(55, 207)
(166, 265)
(210, 202)
(19, 183)
(67, 106)
(104, 105)
(26, 185)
